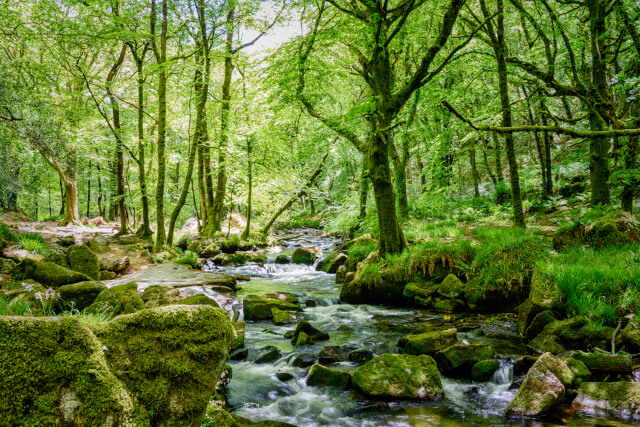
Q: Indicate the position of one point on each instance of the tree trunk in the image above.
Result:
(89, 191)
(631, 183)
(497, 151)
(145, 230)
(474, 167)
(363, 190)
(247, 229)
(71, 202)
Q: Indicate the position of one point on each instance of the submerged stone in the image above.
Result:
(399, 376)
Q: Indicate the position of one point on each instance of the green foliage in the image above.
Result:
(359, 251)
(7, 234)
(599, 284)
(33, 242)
(20, 308)
(189, 258)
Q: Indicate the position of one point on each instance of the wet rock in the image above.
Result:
(541, 320)
(551, 337)
(320, 375)
(47, 273)
(304, 360)
(282, 259)
(333, 353)
(107, 275)
(54, 372)
(227, 260)
(428, 342)
(420, 294)
(332, 262)
(243, 277)
(66, 241)
(459, 358)
(98, 243)
(522, 364)
(483, 370)
(304, 256)
(360, 356)
(116, 265)
(81, 294)
(158, 295)
(516, 384)
(543, 387)
(170, 357)
(619, 399)
(239, 354)
(311, 303)
(84, 260)
(605, 362)
(259, 307)
(306, 333)
(284, 376)
(284, 317)
(450, 306)
(238, 341)
(219, 417)
(269, 354)
(347, 278)
(341, 274)
(121, 299)
(451, 287)
(399, 376)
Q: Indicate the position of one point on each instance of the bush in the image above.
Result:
(602, 285)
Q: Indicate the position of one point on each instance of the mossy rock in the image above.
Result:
(259, 307)
(570, 334)
(450, 306)
(419, 293)
(121, 299)
(159, 295)
(332, 262)
(494, 298)
(306, 333)
(238, 341)
(170, 357)
(542, 297)
(7, 266)
(320, 375)
(227, 259)
(81, 294)
(578, 368)
(618, 399)
(303, 256)
(385, 286)
(544, 386)
(84, 260)
(483, 370)
(629, 337)
(605, 362)
(283, 317)
(57, 257)
(107, 275)
(451, 287)
(459, 358)
(428, 342)
(198, 299)
(219, 417)
(66, 241)
(282, 259)
(399, 376)
(611, 230)
(541, 320)
(53, 371)
(47, 273)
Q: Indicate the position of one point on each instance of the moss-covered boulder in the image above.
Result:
(451, 287)
(542, 297)
(303, 256)
(47, 273)
(259, 307)
(158, 295)
(53, 371)
(226, 260)
(98, 243)
(84, 260)
(544, 386)
(375, 283)
(6, 266)
(450, 306)
(483, 370)
(458, 359)
(399, 376)
(428, 342)
(620, 363)
(561, 335)
(331, 263)
(283, 317)
(121, 299)
(109, 263)
(320, 375)
(619, 399)
(539, 322)
(238, 341)
(81, 295)
(305, 333)
(282, 259)
(494, 297)
(610, 230)
(170, 357)
(198, 299)
(420, 294)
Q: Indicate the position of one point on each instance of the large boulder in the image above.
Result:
(451, 287)
(304, 256)
(459, 358)
(494, 298)
(544, 386)
(109, 263)
(320, 375)
(81, 294)
(53, 371)
(619, 399)
(375, 283)
(542, 297)
(399, 376)
(84, 260)
(421, 294)
(331, 263)
(484, 370)
(259, 307)
(169, 357)
(121, 299)
(47, 273)
(306, 333)
(428, 342)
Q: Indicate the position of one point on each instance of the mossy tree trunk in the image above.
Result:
(474, 167)
(363, 190)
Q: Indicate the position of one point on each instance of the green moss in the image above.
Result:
(84, 260)
(319, 375)
(458, 359)
(451, 287)
(259, 307)
(483, 370)
(428, 342)
(80, 295)
(420, 293)
(56, 373)
(303, 256)
(188, 258)
(198, 299)
(282, 317)
(47, 273)
(121, 299)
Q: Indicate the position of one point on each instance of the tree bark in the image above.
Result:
(474, 167)
(247, 229)
(363, 190)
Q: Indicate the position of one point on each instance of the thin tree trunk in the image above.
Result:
(474, 167)
(363, 190)
(89, 191)
(497, 151)
(247, 229)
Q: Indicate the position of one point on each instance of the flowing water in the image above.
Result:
(256, 392)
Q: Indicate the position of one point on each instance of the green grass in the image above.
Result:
(7, 234)
(602, 285)
(420, 230)
(189, 258)
(20, 308)
(33, 242)
(360, 251)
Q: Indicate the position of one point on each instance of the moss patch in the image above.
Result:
(121, 299)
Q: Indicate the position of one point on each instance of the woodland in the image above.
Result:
(476, 159)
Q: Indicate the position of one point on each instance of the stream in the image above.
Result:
(256, 392)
